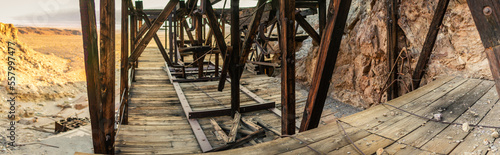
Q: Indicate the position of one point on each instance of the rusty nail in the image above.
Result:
(487, 11)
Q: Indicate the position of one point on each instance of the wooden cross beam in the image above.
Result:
(189, 34)
(486, 14)
(157, 40)
(287, 47)
(219, 38)
(90, 46)
(152, 30)
(252, 31)
(328, 52)
(430, 40)
(307, 27)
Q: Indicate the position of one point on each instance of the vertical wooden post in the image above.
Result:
(133, 35)
(430, 40)
(328, 52)
(199, 38)
(170, 37)
(322, 16)
(175, 36)
(107, 70)
(124, 62)
(392, 48)
(287, 47)
(90, 47)
(486, 14)
(234, 68)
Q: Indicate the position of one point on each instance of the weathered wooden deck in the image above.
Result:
(158, 125)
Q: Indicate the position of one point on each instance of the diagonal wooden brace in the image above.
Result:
(152, 30)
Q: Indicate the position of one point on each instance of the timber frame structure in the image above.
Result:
(140, 26)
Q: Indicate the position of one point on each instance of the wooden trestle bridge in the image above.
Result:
(172, 104)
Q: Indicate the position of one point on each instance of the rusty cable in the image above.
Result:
(302, 141)
(349, 138)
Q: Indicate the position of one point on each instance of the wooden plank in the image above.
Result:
(307, 27)
(398, 128)
(446, 141)
(90, 46)
(235, 127)
(252, 31)
(430, 40)
(367, 145)
(328, 51)
(221, 135)
(152, 30)
(241, 141)
(124, 62)
(392, 49)
(287, 47)
(421, 135)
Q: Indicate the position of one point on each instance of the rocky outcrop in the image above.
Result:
(361, 70)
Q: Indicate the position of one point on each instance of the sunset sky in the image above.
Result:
(66, 13)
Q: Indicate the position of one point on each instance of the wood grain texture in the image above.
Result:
(328, 52)
(91, 52)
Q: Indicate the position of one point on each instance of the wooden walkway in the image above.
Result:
(390, 130)
(158, 124)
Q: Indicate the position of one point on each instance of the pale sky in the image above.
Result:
(66, 13)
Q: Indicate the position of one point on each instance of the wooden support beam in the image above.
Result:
(189, 34)
(90, 48)
(221, 135)
(124, 62)
(287, 47)
(252, 31)
(153, 29)
(321, 16)
(430, 40)
(328, 52)
(157, 41)
(241, 141)
(170, 36)
(307, 27)
(107, 71)
(219, 38)
(235, 127)
(486, 15)
(227, 112)
(234, 67)
(392, 48)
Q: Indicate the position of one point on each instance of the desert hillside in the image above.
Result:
(46, 75)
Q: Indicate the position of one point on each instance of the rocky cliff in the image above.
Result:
(361, 70)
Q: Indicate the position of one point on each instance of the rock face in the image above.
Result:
(361, 70)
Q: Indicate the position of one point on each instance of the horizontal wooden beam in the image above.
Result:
(227, 112)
